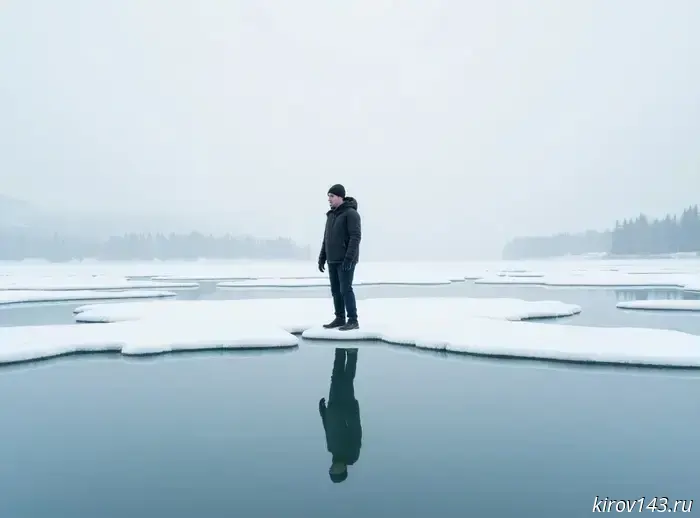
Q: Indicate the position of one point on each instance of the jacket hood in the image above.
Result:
(349, 203)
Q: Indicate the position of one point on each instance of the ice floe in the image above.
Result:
(275, 283)
(474, 326)
(568, 273)
(501, 279)
(492, 337)
(139, 337)
(296, 315)
(87, 283)
(220, 271)
(8, 297)
(594, 280)
(692, 285)
(665, 305)
(197, 278)
(322, 282)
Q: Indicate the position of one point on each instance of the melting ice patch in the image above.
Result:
(663, 305)
(8, 297)
(593, 280)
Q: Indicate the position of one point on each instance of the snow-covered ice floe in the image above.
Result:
(692, 285)
(606, 273)
(314, 282)
(139, 337)
(593, 280)
(473, 326)
(511, 281)
(197, 278)
(297, 315)
(88, 283)
(276, 318)
(11, 297)
(310, 282)
(492, 337)
(664, 305)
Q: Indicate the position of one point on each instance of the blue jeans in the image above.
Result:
(343, 377)
(341, 289)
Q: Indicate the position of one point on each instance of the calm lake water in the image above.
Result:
(240, 434)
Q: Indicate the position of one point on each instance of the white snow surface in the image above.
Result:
(297, 315)
(475, 326)
(667, 305)
(163, 326)
(76, 283)
(36, 296)
(309, 282)
(492, 337)
(367, 272)
(593, 280)
(574, 272)
(138, 337)
(197, 278)
(692, 285)
(321, 282)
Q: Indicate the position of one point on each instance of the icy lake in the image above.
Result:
(239, 433)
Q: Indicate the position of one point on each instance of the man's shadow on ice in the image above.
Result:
(341, 417)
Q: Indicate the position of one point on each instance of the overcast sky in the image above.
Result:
(455, 124)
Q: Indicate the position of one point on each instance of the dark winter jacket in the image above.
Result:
(343, 427)
(341, 239)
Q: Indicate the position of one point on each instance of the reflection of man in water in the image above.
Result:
(341, 418)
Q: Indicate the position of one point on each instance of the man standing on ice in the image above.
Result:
(341, 250)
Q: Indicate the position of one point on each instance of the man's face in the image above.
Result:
(334, 201)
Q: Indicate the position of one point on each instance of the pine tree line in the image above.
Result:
(671, 234)
(639, 236)
(536, 247)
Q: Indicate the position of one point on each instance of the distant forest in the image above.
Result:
(640, 236)
(18, 244)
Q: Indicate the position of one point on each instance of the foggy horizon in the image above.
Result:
(457, 126)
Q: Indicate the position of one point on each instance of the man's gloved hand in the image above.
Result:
(347, 266)
(321, 266)
(322, 405)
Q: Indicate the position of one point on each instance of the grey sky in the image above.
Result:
(456, 124)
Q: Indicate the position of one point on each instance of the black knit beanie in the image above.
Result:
(338, 190)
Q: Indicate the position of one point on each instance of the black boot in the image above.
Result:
(352, 324)
(338, 322)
